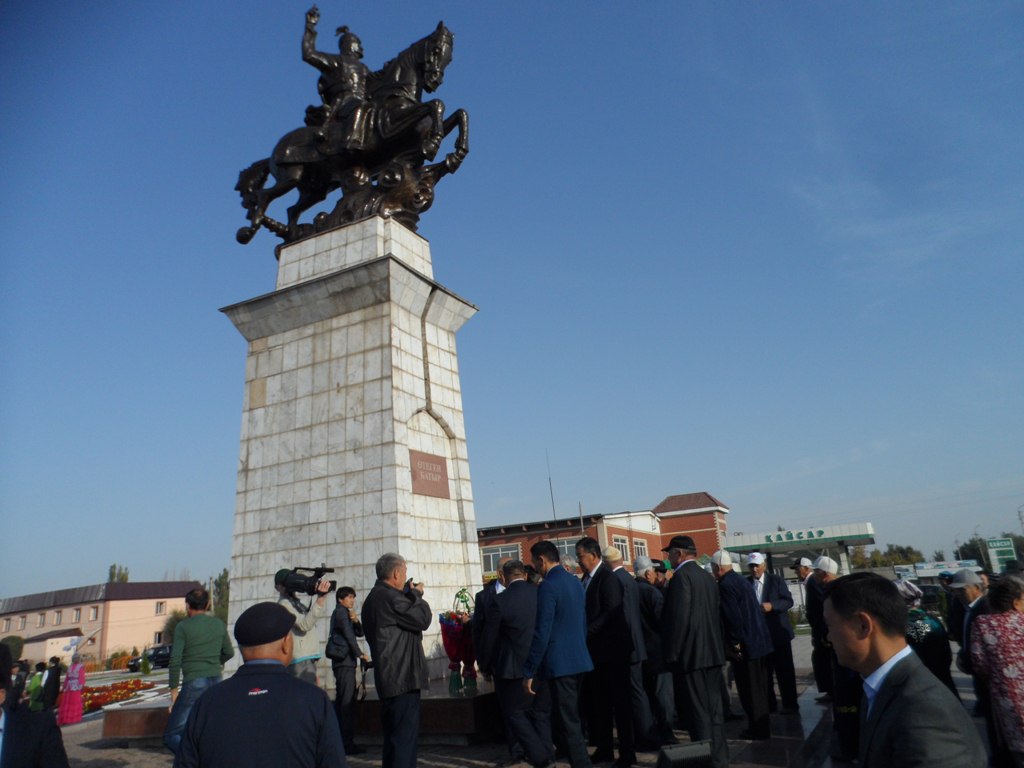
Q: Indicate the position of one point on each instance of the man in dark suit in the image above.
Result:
(657, 679)
(644, 733)
(691, 640)
(29, 739)
(747, 644)
(51, 684)
(775, 600)
(483, 605)
(908, 717)
(508, 633)
(814, 609)
(558, 650)
(969, 591)
(610, 644)
(262, 715)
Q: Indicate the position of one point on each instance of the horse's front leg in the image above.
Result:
(459, 119)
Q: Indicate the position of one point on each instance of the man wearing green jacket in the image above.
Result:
(201, 646)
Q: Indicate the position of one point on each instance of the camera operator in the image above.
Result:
(307, 644)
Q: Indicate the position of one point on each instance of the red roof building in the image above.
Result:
(698, 515)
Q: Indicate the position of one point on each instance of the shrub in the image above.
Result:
(16, 643)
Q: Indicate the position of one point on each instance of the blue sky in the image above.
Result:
(771, 251)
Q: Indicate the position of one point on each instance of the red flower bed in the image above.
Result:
(97, 697)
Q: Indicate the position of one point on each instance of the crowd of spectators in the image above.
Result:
(591, 664)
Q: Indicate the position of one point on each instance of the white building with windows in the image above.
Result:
(99, 619)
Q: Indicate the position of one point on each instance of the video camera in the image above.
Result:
(299, 582)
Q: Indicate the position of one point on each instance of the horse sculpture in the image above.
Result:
(382, 173)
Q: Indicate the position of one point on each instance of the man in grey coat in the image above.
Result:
(394, 618)
(908, 717)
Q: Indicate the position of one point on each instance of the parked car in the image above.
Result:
(160, 657)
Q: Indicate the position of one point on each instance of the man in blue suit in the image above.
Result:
(747, 644)
(506, 639)
(558, 652)
(775, 599)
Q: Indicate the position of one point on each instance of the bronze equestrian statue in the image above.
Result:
(371, 137)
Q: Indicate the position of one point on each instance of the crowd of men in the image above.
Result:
(579, 661)
(589, 669)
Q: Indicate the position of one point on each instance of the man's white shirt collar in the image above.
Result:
(873, 682)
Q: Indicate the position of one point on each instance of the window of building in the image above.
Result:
(565, 547)
(76, 615)
(491, 555)
(58, 616)
(7, 626)
(40, 619)
(158, 638)
(640, 548)
(22, 620)
(161, 607)
(94, 612)
(621, 543)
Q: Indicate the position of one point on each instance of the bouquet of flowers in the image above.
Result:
(458, 643)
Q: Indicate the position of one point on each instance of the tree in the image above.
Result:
(894, 554)
(117, 573)
(897, 554)
(859, 557)
(939, 555)
(221, 590)
(172, 621)
(16, 643)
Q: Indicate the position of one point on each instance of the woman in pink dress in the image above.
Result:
(997, 650)
(70, 709)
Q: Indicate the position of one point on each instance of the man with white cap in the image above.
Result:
(775, 599)
(846, 688)
(814, 606)
(747, 644)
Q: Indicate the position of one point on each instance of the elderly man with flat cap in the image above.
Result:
(262, 715)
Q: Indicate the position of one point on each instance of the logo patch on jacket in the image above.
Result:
(257, 691)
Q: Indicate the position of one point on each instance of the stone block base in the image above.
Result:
(137, 722)
(444, 719)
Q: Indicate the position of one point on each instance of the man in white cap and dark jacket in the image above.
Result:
(775, 600)
(846, 688)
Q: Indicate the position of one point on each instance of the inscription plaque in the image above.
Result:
(429, 474)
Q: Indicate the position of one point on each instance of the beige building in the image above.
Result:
(98, 619)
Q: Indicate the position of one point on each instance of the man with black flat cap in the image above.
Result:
(262, 715)
(691, 642)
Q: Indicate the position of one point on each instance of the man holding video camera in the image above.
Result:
(394, 617)
(306, 652)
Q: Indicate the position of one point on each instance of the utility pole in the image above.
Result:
(551, 488)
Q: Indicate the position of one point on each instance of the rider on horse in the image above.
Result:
(345, 119)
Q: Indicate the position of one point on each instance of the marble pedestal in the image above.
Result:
(353, 442)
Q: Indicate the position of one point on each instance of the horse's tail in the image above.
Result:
(251, 180)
